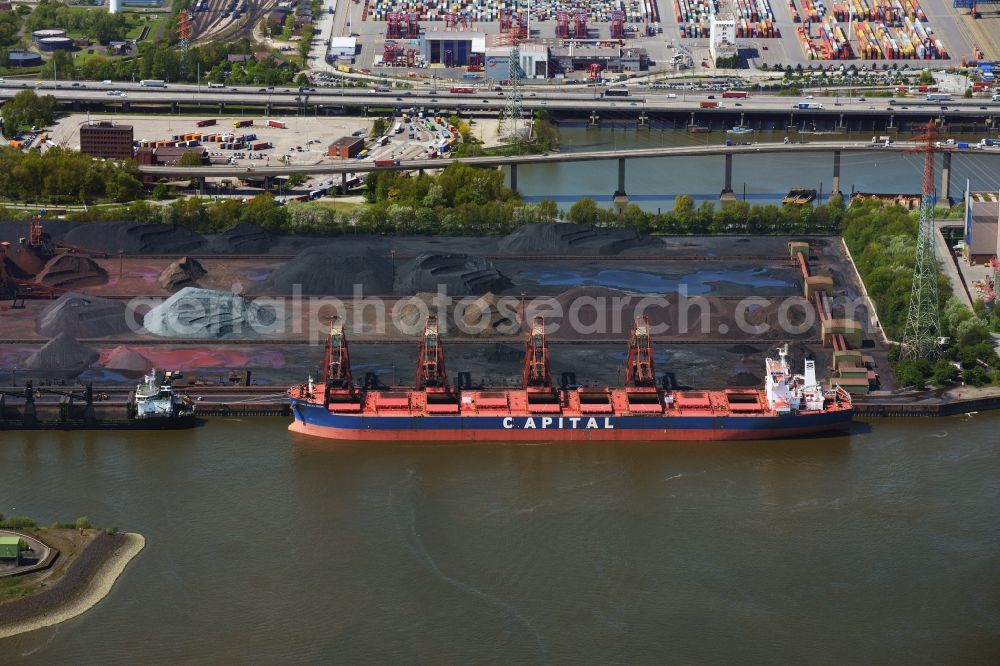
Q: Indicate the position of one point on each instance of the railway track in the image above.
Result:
(512, 339)
(493, 257)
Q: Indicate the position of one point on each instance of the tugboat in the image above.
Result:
(154, 403)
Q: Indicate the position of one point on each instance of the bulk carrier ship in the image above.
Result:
(788, 405)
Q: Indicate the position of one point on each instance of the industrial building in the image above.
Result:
(171, 155)
(982, 226)
(346, 147)
(453, 48)
(106, 139)
(11, 547)
(534, 61)
(578, 57)
(342, 47)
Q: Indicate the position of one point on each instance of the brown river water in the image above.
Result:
(879, 547)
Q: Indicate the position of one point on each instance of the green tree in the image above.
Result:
(684, 207)
(26, 109)
(584, 211)
(547, 210)
(191, 158)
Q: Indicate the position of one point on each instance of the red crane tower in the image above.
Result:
(412, 25)
(617, 24)
(506, 21)
(595, 71)
(522, 26)
(562, 25)
(393, 28)
(580, 21)
(390, 53)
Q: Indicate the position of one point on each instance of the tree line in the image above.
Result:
(883, 243)
(64, 176)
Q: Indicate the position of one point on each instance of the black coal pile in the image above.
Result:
(244, 238)
(455, 274)
(133, 238)
(81, 316)
(63, 355)
(568, 238)
(12, 232)
(184, 272)
(209, 314)
(320, 270)
(744, 379)
(71, 270)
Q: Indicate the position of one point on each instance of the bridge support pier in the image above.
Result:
(836, 173)
(201, 185)
(267, 109)
(840, 124)
(946, 177)
(727, 191)
(174, 107)
(222, 108)
(620, 199)
(513, 177)
(892, 122)
(643, 119)
(125, 107)
(343, 183)
(594, 118)
(267, 183)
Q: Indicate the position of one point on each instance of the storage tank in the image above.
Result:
(38, 35)
(114, 6)
(17, 58)
(55, 44)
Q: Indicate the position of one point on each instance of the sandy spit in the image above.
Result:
(96, 590)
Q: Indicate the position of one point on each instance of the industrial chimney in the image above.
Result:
(114, 6)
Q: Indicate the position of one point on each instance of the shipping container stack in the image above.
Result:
(755, 19)
(464, 14)
(883, 30)
(694, 17)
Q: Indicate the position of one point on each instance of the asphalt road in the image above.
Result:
(544, 98)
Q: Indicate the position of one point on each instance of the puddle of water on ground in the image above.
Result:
(698, 283)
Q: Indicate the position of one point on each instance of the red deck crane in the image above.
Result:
(536, 372)
(640, 369)
(430, 367)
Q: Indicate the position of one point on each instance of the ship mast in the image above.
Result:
(536, 372)
(430, 367)
(639, 368)
(337, 361)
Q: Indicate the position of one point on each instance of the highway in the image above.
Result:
(361, 166)
(563, 99)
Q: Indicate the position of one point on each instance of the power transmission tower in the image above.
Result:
(185, 28)
(511, 123)
(923, 321)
